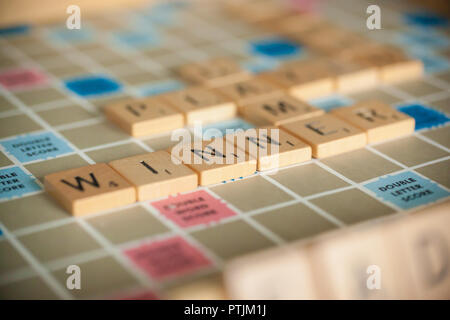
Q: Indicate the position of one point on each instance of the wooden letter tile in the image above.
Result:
(140, 117)
(214, 160)
(272, 147)
(279, 110)
(154, 175)
(201, 104)
(377, 119)
(327, 135)
(89, 189)
(213, 73)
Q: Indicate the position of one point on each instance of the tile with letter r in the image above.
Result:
(14, 182)
(407, 190)
(93, 85)
(36, 147)
(425, 117)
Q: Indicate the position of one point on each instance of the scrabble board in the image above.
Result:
(55, 84)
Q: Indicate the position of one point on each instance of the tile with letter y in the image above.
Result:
(89, 189)
(144, 116)
(214, 161)
(278, 110)
(154, 175)
(377, 119)
(271, 146)
(327, 135)
(201, 104)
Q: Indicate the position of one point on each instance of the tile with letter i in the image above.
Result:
(377, 119)
(89, 189)
(213, 73)
(327, 135)
(271, 146)
(214, 161)
(250, 91)
(201, 104)
(278, 110)
(154, 175)
(140, 117)
(306, 79)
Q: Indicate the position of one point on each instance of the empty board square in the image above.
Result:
(27, 289)
(418, 88)
(42, 168)
(67, 70)
(167, 258)
(200, 105)
(251, 194)
(308, 179)
(407, 190)
(278, 110)
(94, 135)
(442, 104)
(271, 146)
(439, 135)
(232, 239)
(64, 115)
(352, 206)
(375, 94)
(154, 175)
(411, 151)
(33, 147)
(361, 165)
(59, 242)
(379, 120)
(425, 117)
(99, 278)
(438, 172)
(22, 213)
(41, 95)
(12, 260)
(4, 160)
(127, 225)
(89, 189)
(101, 102)
(19, 124)
(116, 152)
(14, 182)
(6, 105)
(140, 117)
(163, 142)
(327, 135)
(294, 222)
(93, 85)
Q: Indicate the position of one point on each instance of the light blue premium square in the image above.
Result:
(15, 183)
(36, 147)
(219, 129)
(407, 190)
(331, 102)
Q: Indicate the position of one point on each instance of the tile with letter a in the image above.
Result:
(154, 175)
(89, 189)
(272, 147)
(327, 135)
(278, 110)
(377, 119)
(213, 73)
(306, 79)
(250, 91)
(201, 104)
(215, 160)
(140, 117)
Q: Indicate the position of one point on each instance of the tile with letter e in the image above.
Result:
(306, 79)
(144, 116)
(89, 189)
(250, 91)
(377, 119)
(213, 73)
(154, 175)
(327, 135)
(271, 146)
(201, 104)
(214, 161)
(278, 110)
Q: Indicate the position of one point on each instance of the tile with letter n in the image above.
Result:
(154, 175)
(89, 189)
(214, 161)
